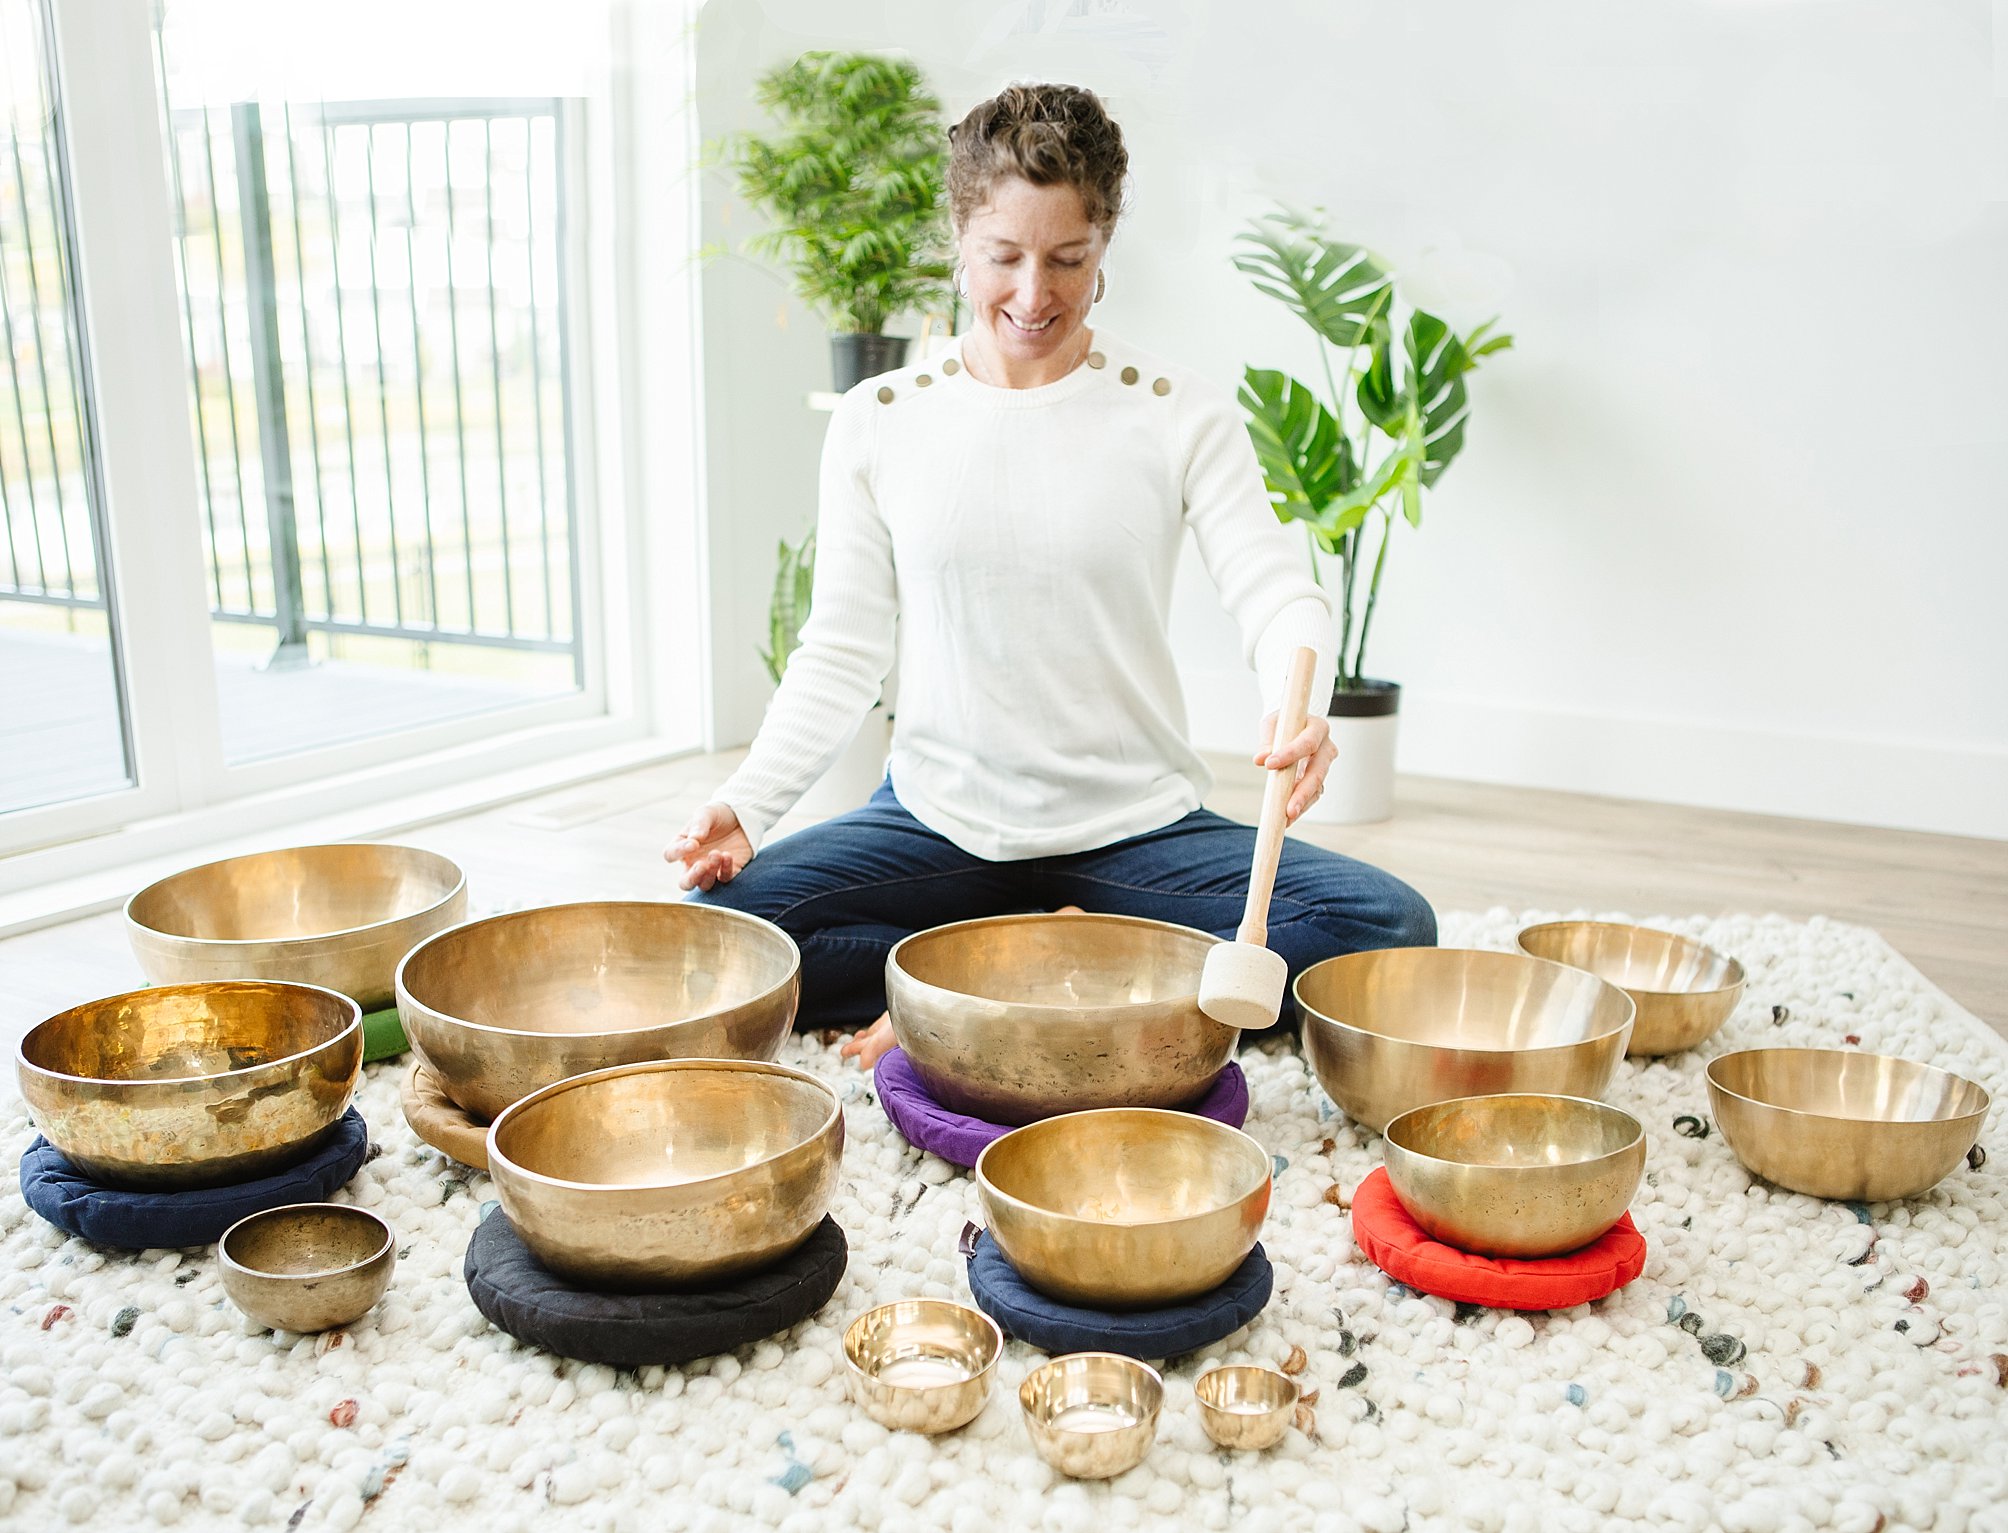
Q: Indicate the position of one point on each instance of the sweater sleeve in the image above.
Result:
(837, 671)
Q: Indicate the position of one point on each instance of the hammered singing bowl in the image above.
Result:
(308, 1266)
(504, 1006)
(193, 1085)
(1092, 1415)
(1403, 1027)
(680, 1173)
(1836, 1123)
(1246, 1407)
(1524, 1175)
(339, 916)
(922, 1365)
(1684, 990)
(1124, 1207)
(1015, 1018)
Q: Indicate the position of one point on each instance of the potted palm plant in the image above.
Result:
(1346, 463)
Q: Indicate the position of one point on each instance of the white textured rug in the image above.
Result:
(1782, 1364)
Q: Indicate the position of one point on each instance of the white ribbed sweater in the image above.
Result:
(1017, 547)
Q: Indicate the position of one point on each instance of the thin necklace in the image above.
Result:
(1086, 345)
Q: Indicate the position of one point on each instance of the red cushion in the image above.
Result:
(1401, 1248)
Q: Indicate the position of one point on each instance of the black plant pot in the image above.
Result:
(1371, 700)
(854, 358)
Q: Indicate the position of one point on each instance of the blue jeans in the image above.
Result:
(848, 889)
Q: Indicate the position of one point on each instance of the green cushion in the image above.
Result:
(383, 1035)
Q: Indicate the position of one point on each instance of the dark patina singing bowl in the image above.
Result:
(339, 916)
(1014, 1018)
(307, 1266)
(1404, 1027)
(505, 1006)
(193, 1085)
(1684, 990)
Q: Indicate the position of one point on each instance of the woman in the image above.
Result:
(1008, 517)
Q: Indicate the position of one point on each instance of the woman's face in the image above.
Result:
(1029, 259)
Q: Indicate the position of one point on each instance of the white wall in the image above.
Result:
(1731, 521)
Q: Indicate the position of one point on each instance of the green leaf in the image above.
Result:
(1306, 462)
(788, 610)
(1437, 362)
(1339, 290)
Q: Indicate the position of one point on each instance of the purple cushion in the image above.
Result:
(958, 1138)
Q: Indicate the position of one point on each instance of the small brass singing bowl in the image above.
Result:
(1124, 1207)
(308, 1266)
(922, 1365)
(1092, 1415)
(1014, 1018)
(1246, 1406)
(1835, 1123)
(193, 1085)
(340, 916)
(1402, 1027)
(1684, 990)
(676, 1174)
(504, 1006)
(1523, 1175)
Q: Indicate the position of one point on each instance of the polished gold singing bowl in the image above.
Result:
(193, 1085)
(1246, 1407)
(1092, 1415)
(675, 1174)
(1522, 1175)
(1124, 1207)
(1835, 1123)
(307, 1266)
(1013, 1018)
(922, 1365)
(505, 1006)
(339, 916)
(1684, 990)
(1400, 1028)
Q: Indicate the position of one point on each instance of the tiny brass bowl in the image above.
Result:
(1523, 1175)
(1835, 1123)
(1014, 1018)
(1124, 1207)
(1683, 989)
(1402, 1027)
(339, 916)
(308, 1266)
(1092, 1415)
(680, 1173)
(193, 1085)
(1246, 1407)
(504, 1006)
(922, 1365)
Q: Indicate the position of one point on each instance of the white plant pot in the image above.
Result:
(1360, 787)
(855, 775)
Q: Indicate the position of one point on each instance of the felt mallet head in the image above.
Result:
(1242, 985)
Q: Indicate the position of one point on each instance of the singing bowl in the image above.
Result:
(1246, 1407)
(1522, 1175)
(339, 916)
(1124, 1207)
(307, 1266)
(922, 1365)
(1835, 1123)
(1014, 1018)
(193, 1085)
(1684, 991)
(679, 1173)
(1092, 1415)
(1403, 1027)
(504, 1006)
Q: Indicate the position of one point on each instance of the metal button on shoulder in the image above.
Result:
(951, 367)
(1161, 387)
(1129, 375)
(923, 381)
(1097, 360)
(885, 396)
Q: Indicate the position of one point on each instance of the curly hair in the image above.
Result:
(1050, 135)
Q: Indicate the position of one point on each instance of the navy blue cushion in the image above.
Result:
(1148, 1334)
(140, 1221)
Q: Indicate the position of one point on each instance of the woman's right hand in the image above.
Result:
(712, 848)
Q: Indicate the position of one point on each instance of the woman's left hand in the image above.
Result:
(1313, 747)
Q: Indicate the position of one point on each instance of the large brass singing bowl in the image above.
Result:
(1404, 1027)
(1124, 1207)
(1014, 1018)
(1683, 989)
(339, 916)
(193, 1085)
(1835, 1123)
(675, 1174)
(505, 1006)
(1522, 1175)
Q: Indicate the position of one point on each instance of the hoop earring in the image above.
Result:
(961, 290)
(1101, 284)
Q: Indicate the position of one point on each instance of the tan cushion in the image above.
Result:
(443, 1123)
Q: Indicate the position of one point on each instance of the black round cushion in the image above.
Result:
(522, 1296)
(140, 1221)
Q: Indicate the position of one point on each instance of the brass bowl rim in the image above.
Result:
(353, 1025)
(225, 1259)
(227, 944)
(1638, 1131)
(404, 991)
(1068, 1009)
(1714, 1084)
(986, 1187)
(657, 1067)
(853, 1334)
(1125, 1363)
(1737, 982)
(1198, 1386)
(1631, 1013)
